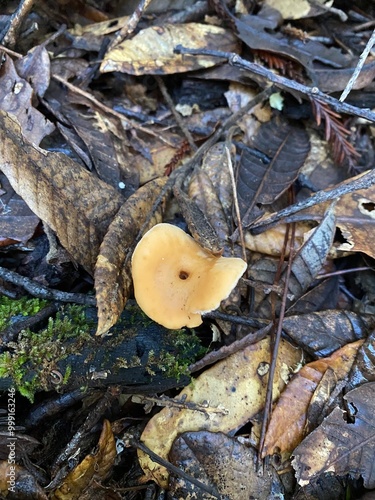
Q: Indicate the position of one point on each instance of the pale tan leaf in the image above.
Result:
(74, 203)
(151, 51)
(113, 281)
(237, 385)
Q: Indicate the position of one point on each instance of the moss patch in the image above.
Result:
(37, 353)
(9, 308)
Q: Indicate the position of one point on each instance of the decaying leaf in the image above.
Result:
(236, 390)
(35, 68)
(265, 174)
(94, 468)
(74, 203)
(308, 261)
(343, 443)
(323, 332)
(17, 482)
(363, 369)
(223, 462)
(113, 281)
(151, 50)
(289, 418)
(298, 9)
(15, 97)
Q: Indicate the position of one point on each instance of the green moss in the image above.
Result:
(188, 349)
(24, 306)
(31, 361)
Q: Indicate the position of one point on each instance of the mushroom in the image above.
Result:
(176, 280)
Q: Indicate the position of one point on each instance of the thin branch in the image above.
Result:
(281, 81)
(365, 181)
(358, 68)
(42, 292)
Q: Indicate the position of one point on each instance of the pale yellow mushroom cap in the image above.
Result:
(176, 280)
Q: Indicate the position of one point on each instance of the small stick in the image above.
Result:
(363, 182)
(43, 292)
(16, 21)
(361, 62)
(282, 81)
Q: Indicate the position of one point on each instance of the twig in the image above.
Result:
(365, 181)
(358, 68)
(42, 292)
(131, 24)
(177, 116)
(281, 81)
(175, 470)
(16, 21)
(227, 350)
(10, 333)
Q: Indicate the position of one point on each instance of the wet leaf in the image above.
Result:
(363, 369)
(74, 203)
(343, 443)
(113, 281)
(151, 50)
(223, 462)
(266, 173)
(289, 418)
(94, 468)
(236, 390)
(323, 332)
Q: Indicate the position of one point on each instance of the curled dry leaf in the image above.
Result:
(94, 468)
(151, 51)
(343, 443)
(289, 418)
(35, 67)
(74, 203)
(113, 281)
(225, 463)
(237, 384)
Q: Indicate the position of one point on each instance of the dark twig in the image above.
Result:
(363, 182)
(42, 292)
(131, 23)
(10, 333)
(177, 116)
(175, 470)
(225, 351)
(281, 81)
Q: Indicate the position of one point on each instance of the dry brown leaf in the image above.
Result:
(355, 217)
(15, 97)
(113, 281)
(297, 9)
(74, 203)
(237, 385)
(151, 50)
(93, 468)
(288, 422)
